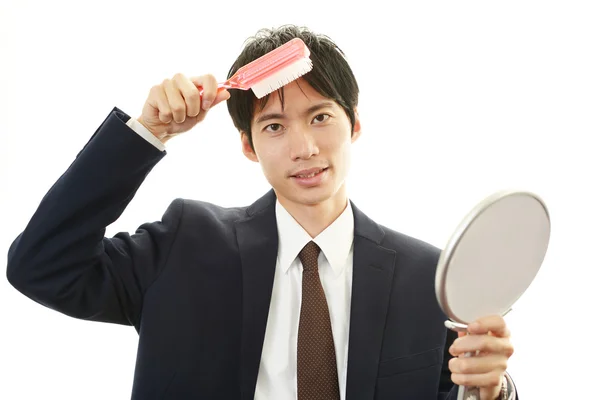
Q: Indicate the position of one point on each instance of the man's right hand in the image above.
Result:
(174, 106)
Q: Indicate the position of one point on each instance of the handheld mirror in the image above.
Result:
(491, 259)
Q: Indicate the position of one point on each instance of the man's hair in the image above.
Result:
(331, 75)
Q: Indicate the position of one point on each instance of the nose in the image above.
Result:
(302, 144)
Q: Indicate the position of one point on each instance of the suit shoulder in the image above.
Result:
(193, 208)
(409, 246)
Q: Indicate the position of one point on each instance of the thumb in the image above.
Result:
(222, 95)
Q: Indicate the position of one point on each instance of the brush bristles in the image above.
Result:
(282, 77)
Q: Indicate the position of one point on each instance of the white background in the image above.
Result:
(458, 100)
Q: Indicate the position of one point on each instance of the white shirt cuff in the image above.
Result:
(145, 133)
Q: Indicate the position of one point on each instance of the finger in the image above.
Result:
(176, 102)
(489, 379)
(190, 94)
(481, 343)
(222, 95)
(208, 83)
(494, 323)
(158, 100)
(479, 364)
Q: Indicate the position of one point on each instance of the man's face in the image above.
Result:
(304, 149)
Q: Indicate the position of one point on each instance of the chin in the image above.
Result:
(313, 200)
(311, 196)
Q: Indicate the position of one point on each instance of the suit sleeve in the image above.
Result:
(62, 259)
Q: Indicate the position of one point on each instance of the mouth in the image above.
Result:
(310, 177)
(309, 173)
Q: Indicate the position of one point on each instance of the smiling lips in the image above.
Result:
(308, 173)
(310, 177)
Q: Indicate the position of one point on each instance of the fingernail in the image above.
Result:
(206, 105)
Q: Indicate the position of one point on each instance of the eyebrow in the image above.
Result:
(310, 110)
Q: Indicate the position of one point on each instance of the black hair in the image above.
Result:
(331, 75)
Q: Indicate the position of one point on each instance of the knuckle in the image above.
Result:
(178, 76)
(191, 96)
(488, 344)
(177, 109)
(465, 366)
(488, 348)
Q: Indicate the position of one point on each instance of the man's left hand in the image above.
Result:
(491, 337)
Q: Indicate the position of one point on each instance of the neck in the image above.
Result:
(315, 218)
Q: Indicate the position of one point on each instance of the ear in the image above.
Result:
(246, 148)
(357, 127)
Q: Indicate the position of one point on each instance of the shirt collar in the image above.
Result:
(335, 241)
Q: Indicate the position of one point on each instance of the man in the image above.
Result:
(299, 295)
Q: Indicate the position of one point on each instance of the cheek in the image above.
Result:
(342, 157)
(338, 135)
(337, 145)
(271, 161)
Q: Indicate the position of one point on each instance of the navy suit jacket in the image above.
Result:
(197, 284)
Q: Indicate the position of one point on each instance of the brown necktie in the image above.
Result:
(317, 369)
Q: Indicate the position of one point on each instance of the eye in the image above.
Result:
(274, 128)
(322, 117)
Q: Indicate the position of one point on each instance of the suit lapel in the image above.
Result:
(257, 239)
(373, 269)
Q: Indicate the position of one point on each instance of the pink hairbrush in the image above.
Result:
(272, 71)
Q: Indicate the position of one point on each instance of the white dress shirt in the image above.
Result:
(277, 371)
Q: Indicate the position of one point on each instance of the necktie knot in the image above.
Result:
(309, 256)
